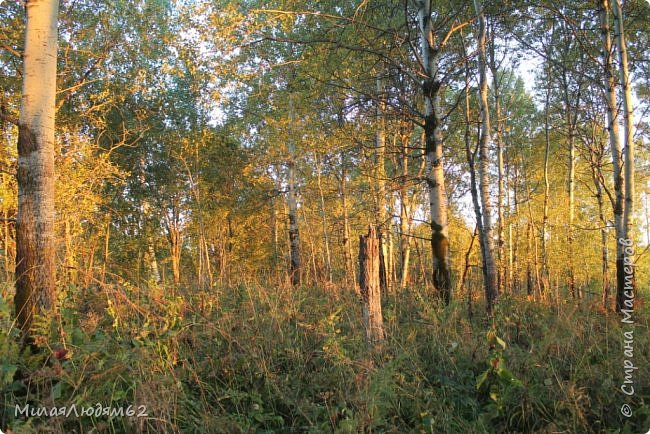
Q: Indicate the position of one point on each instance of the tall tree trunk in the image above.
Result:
(596, 177)
(571, 122)
(491, 285)
(328, 258)
(571, 237)
(511, 259)
(538, 285)
(626, 285)
(547, 186)
(434, 172)
(516, 247)
(381, 215)
(499, 145)
(350, 269)
(208, 252)
(471, 157)
(35, 242)
(509, 283)
(275, 236)
(370, 287)
(404, 214)
(529, 260)
(615, 146)
(292, 203)
(230, 247)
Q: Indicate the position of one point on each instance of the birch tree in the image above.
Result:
(489, 264)
(625, 271)
(500, 164)
(35, 241)
(612, 129)
(292, 201)
(430, 52)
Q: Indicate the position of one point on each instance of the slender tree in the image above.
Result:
(430, 53)
(614, 137)
(292, 201)
(496, 90)
(625, 274)
(490, 268)
(381, 214)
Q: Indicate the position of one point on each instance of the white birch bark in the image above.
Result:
(628, 117)
(434, 173)
(292, 203)
(614, 137)
(491, 284)
(35, 243)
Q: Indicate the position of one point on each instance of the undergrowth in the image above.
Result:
(255, 359)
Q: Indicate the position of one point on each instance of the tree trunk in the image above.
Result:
(6, 233)
(309, 240)
(69, 260)
(499, 145)
(370, 287)
(471, 157)
(174, 237)
(529, 260)
(107, 239)
(491, 284)
(516, 248)
(275, 237)
(152, 262)
(35, 241)
(404, 219)
(434, 172)
(625, 281)
(350, 271)
(509, 277)
(547, 152)
(466, 268)
(571, 237)
(570, 125)
(538, 285)
(230, 247)
(615, 146)
(292, 202)
(595, 168)
(328, 258)
(381, 215)
(90, 265)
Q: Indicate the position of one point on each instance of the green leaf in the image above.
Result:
(56, 391)
(504, 374)
(481, 379)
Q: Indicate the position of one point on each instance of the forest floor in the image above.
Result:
(257, 359)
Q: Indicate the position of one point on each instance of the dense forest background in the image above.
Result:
(215, 164)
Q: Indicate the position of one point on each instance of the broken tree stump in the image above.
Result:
(370, 287)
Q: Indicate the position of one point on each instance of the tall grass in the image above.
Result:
(256, 358)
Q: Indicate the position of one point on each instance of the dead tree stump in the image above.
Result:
(370, 288)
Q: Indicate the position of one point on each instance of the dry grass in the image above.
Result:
(265, 359)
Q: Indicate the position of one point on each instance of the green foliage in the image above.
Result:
(273, 359)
